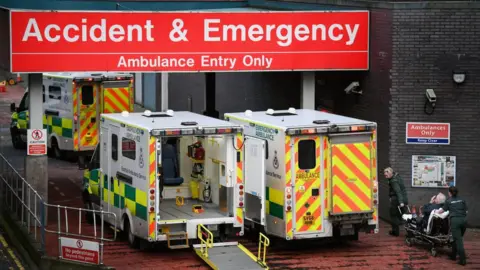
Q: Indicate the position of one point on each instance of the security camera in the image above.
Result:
(352, 87)
(432, 98)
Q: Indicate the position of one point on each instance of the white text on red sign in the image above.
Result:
(214, 31)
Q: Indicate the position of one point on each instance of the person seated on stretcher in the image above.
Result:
(436, 202)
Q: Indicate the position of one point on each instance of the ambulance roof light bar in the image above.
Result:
(329, 129)
(195, 131)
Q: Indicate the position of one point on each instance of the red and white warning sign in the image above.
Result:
(79, 250)
(36, 142)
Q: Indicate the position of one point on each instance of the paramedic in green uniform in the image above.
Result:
(458, 219)
(398, 197)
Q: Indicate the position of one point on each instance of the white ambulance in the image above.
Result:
(72, 104)
(163, 174)
(309, 174)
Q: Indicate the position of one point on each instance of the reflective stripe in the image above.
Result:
(75, 111)
(326, 176)
(116, 100)
(239, 143)
(120, 195)
(306, 204)
(351, 178)
(274, 202)
(288, 182)
(62, 127)
(152, 228)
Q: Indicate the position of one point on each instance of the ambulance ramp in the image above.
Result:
(231, 255)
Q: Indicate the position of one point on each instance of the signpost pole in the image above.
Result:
(36, 161)
(308, 90)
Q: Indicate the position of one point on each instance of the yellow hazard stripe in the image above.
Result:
(351, 178)
(116, 100)
(288, 179)
(88, 130)
(306, 204)
(239, 143)
(326, 176)
(75, 113)
(153, 172)
(11, 253)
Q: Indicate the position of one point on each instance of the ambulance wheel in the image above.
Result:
(57, 153)
(408, 242)
(88, 214)
(133, 241)
(434, 252)
(16, 140)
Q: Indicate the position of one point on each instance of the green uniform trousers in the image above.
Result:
(458, 227)
(395, 215)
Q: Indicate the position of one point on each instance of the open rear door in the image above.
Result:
(351, 174)
(255, 180)
(117, 96)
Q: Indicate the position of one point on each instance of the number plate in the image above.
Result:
(308, 219)
(212, 227)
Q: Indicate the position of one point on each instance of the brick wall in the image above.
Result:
(373, 104)
(427, 46)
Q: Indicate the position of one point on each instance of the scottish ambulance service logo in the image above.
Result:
(275, 160)
(140, 159)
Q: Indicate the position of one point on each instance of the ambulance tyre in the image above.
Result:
(16, 139)
(88, 214)
(57, 153)
(133, 241)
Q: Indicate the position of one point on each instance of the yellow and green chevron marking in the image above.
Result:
(120, 194)
(60, 126)
(274, 202)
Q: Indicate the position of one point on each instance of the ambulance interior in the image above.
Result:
(192, 171)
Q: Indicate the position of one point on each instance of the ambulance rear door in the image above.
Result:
(117, 96)
(255, 179)
(88, 114)
(351, 173)
(308, 190)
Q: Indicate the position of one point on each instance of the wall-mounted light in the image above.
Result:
(459, 76)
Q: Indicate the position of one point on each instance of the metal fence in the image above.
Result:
(28, 208)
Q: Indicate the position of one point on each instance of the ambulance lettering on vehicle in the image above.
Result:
(328, 179)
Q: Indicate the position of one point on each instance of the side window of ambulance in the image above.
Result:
(114, 147)
(54, 92)
(129, 148)
(306, 154)
(87, 95)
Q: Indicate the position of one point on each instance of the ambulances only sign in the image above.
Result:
(188, 41)
(428, 133)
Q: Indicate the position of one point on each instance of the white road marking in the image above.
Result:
(61, 194)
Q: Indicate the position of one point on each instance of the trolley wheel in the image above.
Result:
(434, 252)
(408, 241)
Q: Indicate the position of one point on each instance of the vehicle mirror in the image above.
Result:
(12, 107)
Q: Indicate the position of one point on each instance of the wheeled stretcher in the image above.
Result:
(435, 233)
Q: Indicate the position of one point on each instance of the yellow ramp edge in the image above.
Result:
(206, 244)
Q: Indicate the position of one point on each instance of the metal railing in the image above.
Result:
(23, 202)
(206, 239)
(265, 242)
(26, 206)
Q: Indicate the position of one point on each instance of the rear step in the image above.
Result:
(182, 237)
